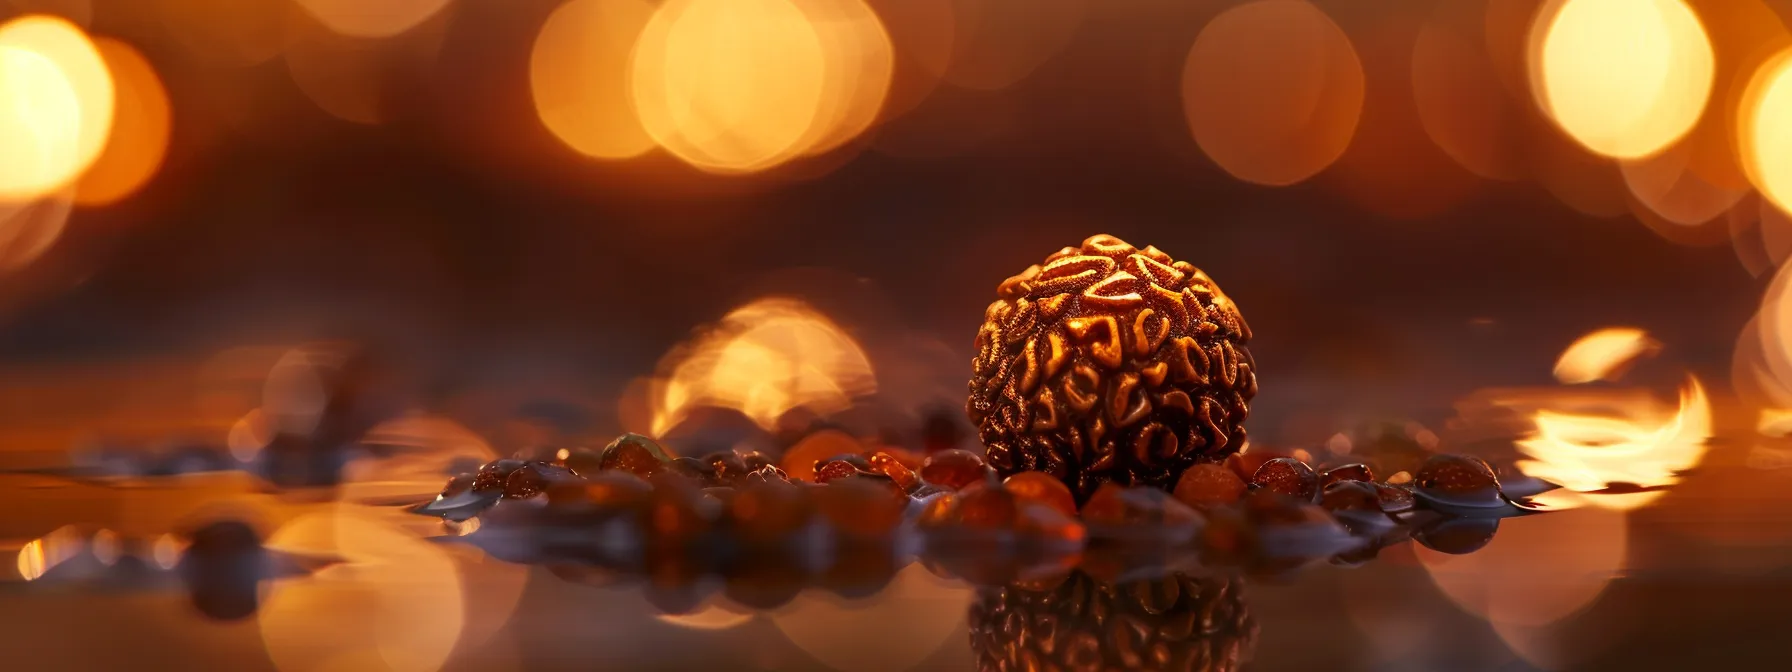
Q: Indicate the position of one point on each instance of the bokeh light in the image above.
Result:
(923, 32)
(579, 75)
(1639, 444)
(56, 105)
(1765, 130)
(235, 33)
(140, 129)
(998, 43)
(764, 360)
(1457, 91)
(1537, 570)
(341, 75)
(395, 603)
(860, 63)
(1272, 90)
(362, 18)
(1604, 354)
(729, 86)
(79, 12)
(1668, 186)
(28, 230)
(914, 616)
(1623, 77)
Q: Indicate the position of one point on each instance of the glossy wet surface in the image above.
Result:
(1695, 580)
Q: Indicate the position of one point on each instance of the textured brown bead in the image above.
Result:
(635, 454)
(835, 470)
(1082, 622)
(1108, 363)
(1458, 480)
(534, 478)
(1041, 488)
(1287, 476)
(1348, 472)
(495, 474)
(802, 458)
(1208, 485)
(954, 468)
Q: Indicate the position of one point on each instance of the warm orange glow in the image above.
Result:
(28, 230)
(249, 435)
(716, 615)
(166, 551)
(1765, 130)
(764, 360)
(860, 63)
(140, 130)
(730, 86)
(914, 616)
(56, 104)
(31, 560)
(578, 73)
(998, 43)
(419, 449)
(105, 547)
(1457, 91)
(365, 18)
(1272, 90)
(1623, 77)
(1536, 570)
(396, 602)
(340, 75)
(1604, 354)
(1667, 184)
(1640, 444)
(231, 32)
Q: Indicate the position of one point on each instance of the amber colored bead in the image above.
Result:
(911, 459)
(802, 458)
(987, 507)
(1042, 488)
(458, 485)
(494, 475)
(1348, 472)
(729, 468)
(1117, 506)
(769, 511)
(884, 463)
(1287, 476)
(939, 511)
(859, 507)
(635, 454)
(1208, 485)
(1394, 499)
(835, 470)
(954, 468)
(532, 479)
(1457, 536)
(1351, 496)
(1459, 481)
(1246, 464)
(1046, 524)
